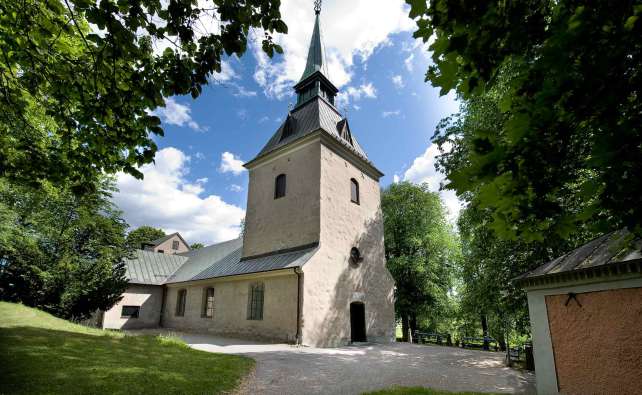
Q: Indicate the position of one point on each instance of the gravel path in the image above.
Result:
(285, 369)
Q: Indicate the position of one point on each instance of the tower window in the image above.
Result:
(175, 245)
(279, 186)
(354, 191)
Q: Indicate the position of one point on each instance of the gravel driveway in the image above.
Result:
(285, 369)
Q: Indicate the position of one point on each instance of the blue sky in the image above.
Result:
(197, 185)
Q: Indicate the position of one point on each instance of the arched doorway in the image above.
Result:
(357, 322)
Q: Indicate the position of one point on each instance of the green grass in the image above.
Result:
(41, 354)
(419, 391)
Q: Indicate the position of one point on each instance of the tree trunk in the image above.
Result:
(484, 324)
(404, 327)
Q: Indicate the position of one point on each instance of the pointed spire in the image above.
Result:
(316, 58)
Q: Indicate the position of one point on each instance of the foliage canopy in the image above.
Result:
(60, 252)
(79, 78)
(564, 147)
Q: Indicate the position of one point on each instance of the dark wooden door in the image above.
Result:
(358, 322)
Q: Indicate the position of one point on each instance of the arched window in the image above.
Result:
(354, 191)
(181, 297)
(208, 303)
(255, 298)
(279, 186)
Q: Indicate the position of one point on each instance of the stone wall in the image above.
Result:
(293, 220)
(230, 308)
(331, 282)
(148, 297)
(597, 343)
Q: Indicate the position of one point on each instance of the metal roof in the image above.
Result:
(614, 247)
(316, 58)
(218, 260)
(153, 268)
(317, 114)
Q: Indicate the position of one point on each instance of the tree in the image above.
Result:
(196, 246)
(79, 78)
(60, 252)
(420, 249)
(566, 153)
(143, 234)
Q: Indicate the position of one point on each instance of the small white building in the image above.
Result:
(586, 318)
(310, 266)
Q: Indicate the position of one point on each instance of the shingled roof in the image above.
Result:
(218, 260)
(614, 253)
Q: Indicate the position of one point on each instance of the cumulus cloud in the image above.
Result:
(396, 179)
(397, 81)
(423, 170)
(177, 114)
(351, 30)
(231, 163)
(388, 114)
(355, 93)
(408, 62)
(166, 199)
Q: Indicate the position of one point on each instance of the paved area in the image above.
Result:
(286, 369)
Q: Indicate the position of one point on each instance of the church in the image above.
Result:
(309, 267)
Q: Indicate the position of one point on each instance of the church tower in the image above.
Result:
(284, 193)
(313, 186)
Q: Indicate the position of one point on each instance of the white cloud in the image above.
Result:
(199, 155)
(202, 180)
(177, 114)
(351, 30)
(230, 163)
(396, 179)
(423, 170)
(264, 119)
(241, 91)
(166, 199)
(352, 94)
(409, 62)
(388, 114)
(235, 188)
(397, 81)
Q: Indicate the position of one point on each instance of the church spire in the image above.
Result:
(316, 58)
(314, 81)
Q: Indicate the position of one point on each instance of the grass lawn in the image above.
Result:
(419, 391)
(41, 354)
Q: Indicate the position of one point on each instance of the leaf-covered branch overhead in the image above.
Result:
(79, 79)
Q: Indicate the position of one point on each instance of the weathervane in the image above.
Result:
(317, 7)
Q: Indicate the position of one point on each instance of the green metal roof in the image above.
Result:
(316, 55)
(218, 260)
(152, 268)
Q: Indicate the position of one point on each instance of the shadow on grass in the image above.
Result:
(38, 360)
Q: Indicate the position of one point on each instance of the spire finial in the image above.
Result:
(317, 7)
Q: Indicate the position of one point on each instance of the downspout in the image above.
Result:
(162, 309)
(299, 304)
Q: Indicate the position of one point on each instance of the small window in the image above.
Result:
(130, 312)
(255, 301)
(180, 302)
(208, 303)
(279, 186)
(175, 245)
(354, 191)
(161, 251)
